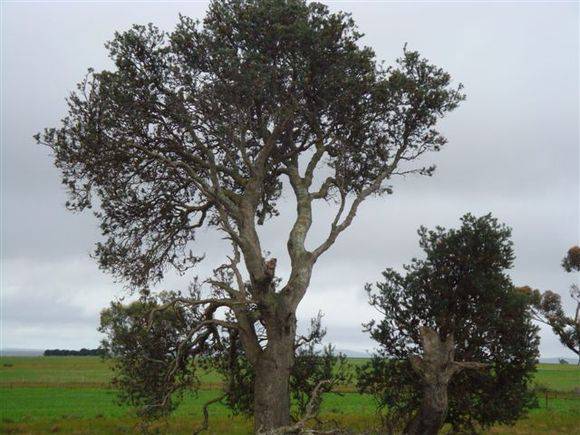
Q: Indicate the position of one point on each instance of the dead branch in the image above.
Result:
(205, 424)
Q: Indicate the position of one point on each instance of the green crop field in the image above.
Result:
(72, 394)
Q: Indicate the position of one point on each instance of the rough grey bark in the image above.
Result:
(273, 366)
(436, 368)
(271, 390)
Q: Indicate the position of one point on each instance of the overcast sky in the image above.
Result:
(513, 150)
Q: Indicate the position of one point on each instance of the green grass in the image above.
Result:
(29, 403)
(37, 410)
(54, 370)
(558, 377)
(93, 371)
(73, 394)
(66, 371)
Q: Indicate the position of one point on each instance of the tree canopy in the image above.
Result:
(199, 127)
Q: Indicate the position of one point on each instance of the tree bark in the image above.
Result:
(436, 368)
(273, 367)
(432, 413)
(271, 396)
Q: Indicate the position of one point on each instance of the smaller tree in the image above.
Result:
(151, 345)
(454, 309)
(547, 306)
(158, 350)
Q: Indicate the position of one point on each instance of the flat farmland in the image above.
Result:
(73, 395)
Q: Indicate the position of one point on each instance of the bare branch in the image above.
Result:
(205, 424)
(322, 193)
(192, 303)
(372, 188)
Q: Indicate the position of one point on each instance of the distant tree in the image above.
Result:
(547, 306)
(455, 309)
(563, 361)
(206, 126)
(67, 352)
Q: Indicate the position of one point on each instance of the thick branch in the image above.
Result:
(372, 188)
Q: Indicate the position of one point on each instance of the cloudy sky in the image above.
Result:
(513, 150)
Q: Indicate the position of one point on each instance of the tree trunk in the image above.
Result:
(436, 368)
(433, 410)
(273, 367)
(271, 395)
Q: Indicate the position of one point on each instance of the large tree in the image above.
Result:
(456, 308)
(208, 125)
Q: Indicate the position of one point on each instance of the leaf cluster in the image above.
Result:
(151, 352)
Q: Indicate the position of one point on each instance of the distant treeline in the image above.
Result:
(66, 352)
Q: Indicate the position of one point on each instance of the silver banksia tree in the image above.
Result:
(206, 126)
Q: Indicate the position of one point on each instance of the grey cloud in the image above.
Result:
(513, 151)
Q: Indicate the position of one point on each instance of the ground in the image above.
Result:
(72, 394)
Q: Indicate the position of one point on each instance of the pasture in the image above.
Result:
(73, 394)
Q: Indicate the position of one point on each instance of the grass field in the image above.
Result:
(72, 394)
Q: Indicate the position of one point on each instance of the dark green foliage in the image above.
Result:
(460, 287)
(313, 366)
(237, 374)
(151, 352)
(171, 137)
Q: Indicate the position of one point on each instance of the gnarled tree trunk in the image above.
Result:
(272, 368)
(271, 394)
(432, 413)
(436, 368)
